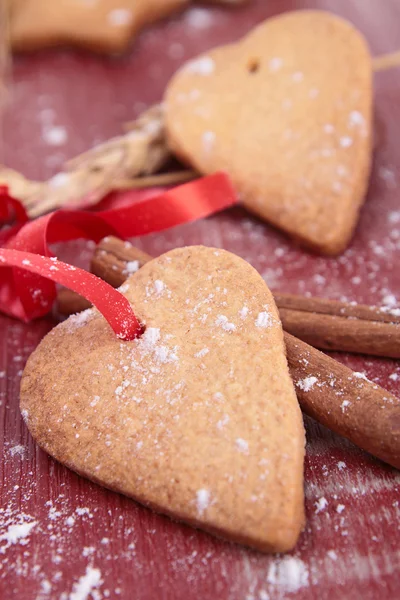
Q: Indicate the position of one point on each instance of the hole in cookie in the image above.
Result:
(253, 66)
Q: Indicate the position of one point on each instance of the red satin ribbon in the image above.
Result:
(26, 294)
(111, 303)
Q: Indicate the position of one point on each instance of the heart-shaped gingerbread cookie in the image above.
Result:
(287, 113)
(198, 418)
(99, 25)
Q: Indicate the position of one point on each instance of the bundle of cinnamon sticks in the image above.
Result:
(342, 400)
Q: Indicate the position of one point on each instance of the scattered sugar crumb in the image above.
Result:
(243, 312)
(394, 376)
(360, 375)
(275, 64)
(332, 554)
(242, 445)
(17, 450)
(151, 336)
(55, 135)
(202, 353)
(45, 586)
(344, 405)
(86, 584)
(356, 118)
(132, 266)
(298, 76)
(94, 401)
(263, 320)
(223, 322)
(199, 18)
(17, 533)
(83, 510)
(346, 141)
(289, 574)
(208, 140)
(389, 300)
(202, 501)
(394, 217)
(340, 508)
(59, 180)
(341, 465)
(388, 176)
(320, 504)
(120, 17)
(201, 66)
(123, 288)
(159, 286)
(307, 383)
(222, 422)
(77, 321)
(319, 279)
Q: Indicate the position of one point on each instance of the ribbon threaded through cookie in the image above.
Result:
(26, 294)
(114, 307)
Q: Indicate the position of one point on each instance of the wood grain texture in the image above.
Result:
(350, 547)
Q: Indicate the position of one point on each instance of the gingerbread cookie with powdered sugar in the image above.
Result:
(198, 418)
(287, 113)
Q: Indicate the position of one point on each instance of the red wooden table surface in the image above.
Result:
(65, 538)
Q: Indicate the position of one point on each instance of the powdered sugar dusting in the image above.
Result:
(208, 141)
(290, 574)
(243, 312)
(242, 445)
(17, 450)
(264, 320)
(320, 504)
(79, 320)
(275, 64)
(345, 404)
(132, 266)
(202, 353)
(201, 66)
(150, 337)
(199, 18)
(223, 322)
(159, 286)
(86, 584)
(17, 533)
(120, 17)
(55, 135)
(203, 497)
(307, 383)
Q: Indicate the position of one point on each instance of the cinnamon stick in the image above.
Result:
(339, 309)
(345, 401)
(330, 332)
(114, 260)
(69, 302)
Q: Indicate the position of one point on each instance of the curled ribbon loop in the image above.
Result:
(112, 304)
(27, 293)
